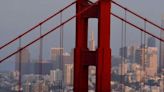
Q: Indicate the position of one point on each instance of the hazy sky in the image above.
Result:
(17, 16)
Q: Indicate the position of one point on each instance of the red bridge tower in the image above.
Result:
(101, 58)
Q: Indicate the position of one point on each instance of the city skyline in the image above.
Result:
(141, 69)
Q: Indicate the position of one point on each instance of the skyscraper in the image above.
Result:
(124, 52)
(123, 68)
(152, 64)
(151, 42)
(55, 52)
(68, 74)
(24, 57)
(92, 42)
(52, 75)
(161, 58)
(147, 58)
(92, 48)
(56, 56)
(141, 56)
(131, 53)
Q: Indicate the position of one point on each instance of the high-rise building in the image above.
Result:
(139, 75)
(56, 57)
(68, 74)
(24, 58)
(55, 53)
(56, 75)
(147, 59)
(151, 65)
(59, 75)
(67, 58)
(123, 68)
(42, 68)
(161, 58)
(141, 56)
(151, 42)
(52, 76)
(92, 69)
(131, 53)
(124, 52)
(92, 42)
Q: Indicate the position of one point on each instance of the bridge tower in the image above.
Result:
(101, 58)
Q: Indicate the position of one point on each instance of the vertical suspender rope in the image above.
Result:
(141, 58)
(61, 53)
(142, 50)
(161, 53)
(125, 48)
(125, 34)
(121, 51)
(61, 39)
(145, 51)
(40, 51)
(40, 56)
(20, 67)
